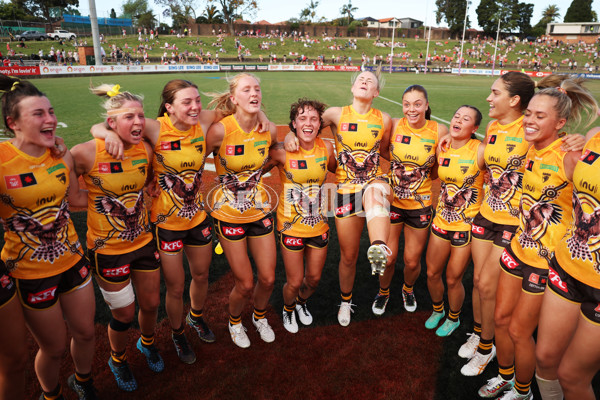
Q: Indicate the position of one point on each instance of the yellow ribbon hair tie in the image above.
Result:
(114, 91)
(14, 85)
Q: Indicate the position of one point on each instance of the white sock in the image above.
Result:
(549, 389)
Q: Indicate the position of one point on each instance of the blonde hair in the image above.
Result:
(572, 98)
(222, 101)
(114, 101)
(378, 76)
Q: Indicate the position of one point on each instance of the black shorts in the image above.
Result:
(456, 238)
(575, 291)
(350, 204)
(234, 232)
(295, 243)
(41, 294)
(533, 279)
(116, 268)
(172, 242)
(484, 229)
(418, 219)
(7, 285)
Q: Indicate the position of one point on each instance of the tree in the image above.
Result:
(349, 10)
(180, 11)
(210, 16)
(453, 12)
(580, 11)
(232, 9)
(140, 13)
(549, 15)
(490, 11)
(113, 13)
(312, 7)
(43, 9)
(522, 13)
(11, 11)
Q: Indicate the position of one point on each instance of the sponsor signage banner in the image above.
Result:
(120, 69)
(17, 70)
(293, 67)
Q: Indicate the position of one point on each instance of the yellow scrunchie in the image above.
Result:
(114, 91)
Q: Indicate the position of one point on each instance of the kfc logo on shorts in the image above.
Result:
(115, 272)
(44, 295)
(5, 281)
(292, 241)
(171, 246)
(206, 231)
(477, 229)
(534, 278)
(394, 216)
(267, 222)
(233, 231)
(555, 279)
(438, 229)
(597, 309)
(84, 271)
(508, 261)
(507, 235)
(343, 209)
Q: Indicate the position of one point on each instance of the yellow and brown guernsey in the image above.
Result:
(40, 239)
(461, 188)
(301, 209)
(357, 142)
(117, 218)
(178, 164)
(240, 196)
(545, 204)
(578, 253)
(412, 157)
(504, 156)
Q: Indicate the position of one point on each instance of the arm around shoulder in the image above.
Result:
(214, 138)
(569, 162)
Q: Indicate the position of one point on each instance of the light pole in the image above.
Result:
(496, 47)
(427, 51)
(463, 37)
(393, 31)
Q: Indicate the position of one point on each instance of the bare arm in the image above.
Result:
(80, 161)
(569, 163)
(331, 158)
(384, 149)
(214, 138)
(480, 157)
(573, 142)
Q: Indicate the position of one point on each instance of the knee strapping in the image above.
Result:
(377, 211)
(119, 299)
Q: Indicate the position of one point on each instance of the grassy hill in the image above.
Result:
(412, 53)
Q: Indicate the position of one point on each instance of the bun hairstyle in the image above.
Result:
(222, 101)
(300, 106)
(13, 90)
(572, 98)
(169, 92)
(114, 97)
(420, 89)
(519, 84)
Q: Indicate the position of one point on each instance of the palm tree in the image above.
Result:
(312, 7)
(213, 15)
(348, 9)
(551, 13)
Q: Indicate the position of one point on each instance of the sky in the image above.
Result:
(273, 11)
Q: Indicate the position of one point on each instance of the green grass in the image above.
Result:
(76, 107)
(366, 46)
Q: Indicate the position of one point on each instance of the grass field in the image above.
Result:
(77, 108)
(392, 357)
